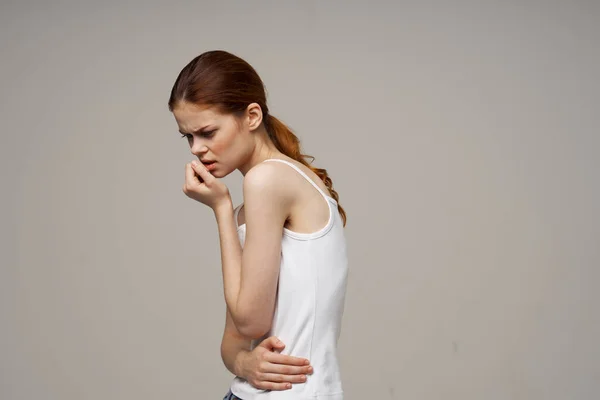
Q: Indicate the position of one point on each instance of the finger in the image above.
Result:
(286, 369)
(277, 358)
(284, 378)
(202, 171)
(273, 385)
(272, 342)
(191, 179)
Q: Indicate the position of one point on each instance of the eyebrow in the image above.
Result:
(204, 129)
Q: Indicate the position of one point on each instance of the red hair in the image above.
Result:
(221, 79)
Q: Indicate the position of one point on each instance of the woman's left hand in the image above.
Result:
(202, 186)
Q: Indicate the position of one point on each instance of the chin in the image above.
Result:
(219, 173)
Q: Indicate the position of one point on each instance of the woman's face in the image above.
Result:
(220, 141)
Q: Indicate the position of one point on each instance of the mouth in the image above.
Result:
(210, 165)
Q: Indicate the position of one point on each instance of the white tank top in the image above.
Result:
(309, 306)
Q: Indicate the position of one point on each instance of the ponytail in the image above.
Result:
(288, 143)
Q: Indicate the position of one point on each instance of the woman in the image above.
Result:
(283, 250)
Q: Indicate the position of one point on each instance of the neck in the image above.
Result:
(263, 150)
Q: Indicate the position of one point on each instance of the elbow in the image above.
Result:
(252, 321)
(254, 329)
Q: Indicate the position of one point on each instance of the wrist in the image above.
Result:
(223, 207)
(238, 365)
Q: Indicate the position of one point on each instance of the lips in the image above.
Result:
(209, 164)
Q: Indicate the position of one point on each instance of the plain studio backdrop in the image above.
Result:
(463, 138)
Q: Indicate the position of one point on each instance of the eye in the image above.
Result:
(186, 136)
(208, 133)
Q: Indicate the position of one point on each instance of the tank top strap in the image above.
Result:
(301, 173)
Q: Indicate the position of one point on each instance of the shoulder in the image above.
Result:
(264, 174)
(269, 178)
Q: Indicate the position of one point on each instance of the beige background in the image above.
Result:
(463, 138)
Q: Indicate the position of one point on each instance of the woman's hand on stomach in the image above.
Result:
(265, 368)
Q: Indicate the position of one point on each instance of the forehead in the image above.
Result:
(191, 117)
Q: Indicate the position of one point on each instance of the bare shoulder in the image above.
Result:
(263, 174)
(269, 178)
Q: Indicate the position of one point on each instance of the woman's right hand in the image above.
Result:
(265, 368)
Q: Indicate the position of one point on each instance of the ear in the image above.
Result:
(254, 116)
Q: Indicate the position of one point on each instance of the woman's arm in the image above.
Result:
(234, 347)
(263, 367)
(250, 291)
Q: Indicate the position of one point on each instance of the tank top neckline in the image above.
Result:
(286, 231)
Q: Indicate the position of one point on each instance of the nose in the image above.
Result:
(198, 147)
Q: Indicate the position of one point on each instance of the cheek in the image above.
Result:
(223, 145)
(217, 148)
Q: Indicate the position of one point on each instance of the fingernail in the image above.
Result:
(194, 163)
